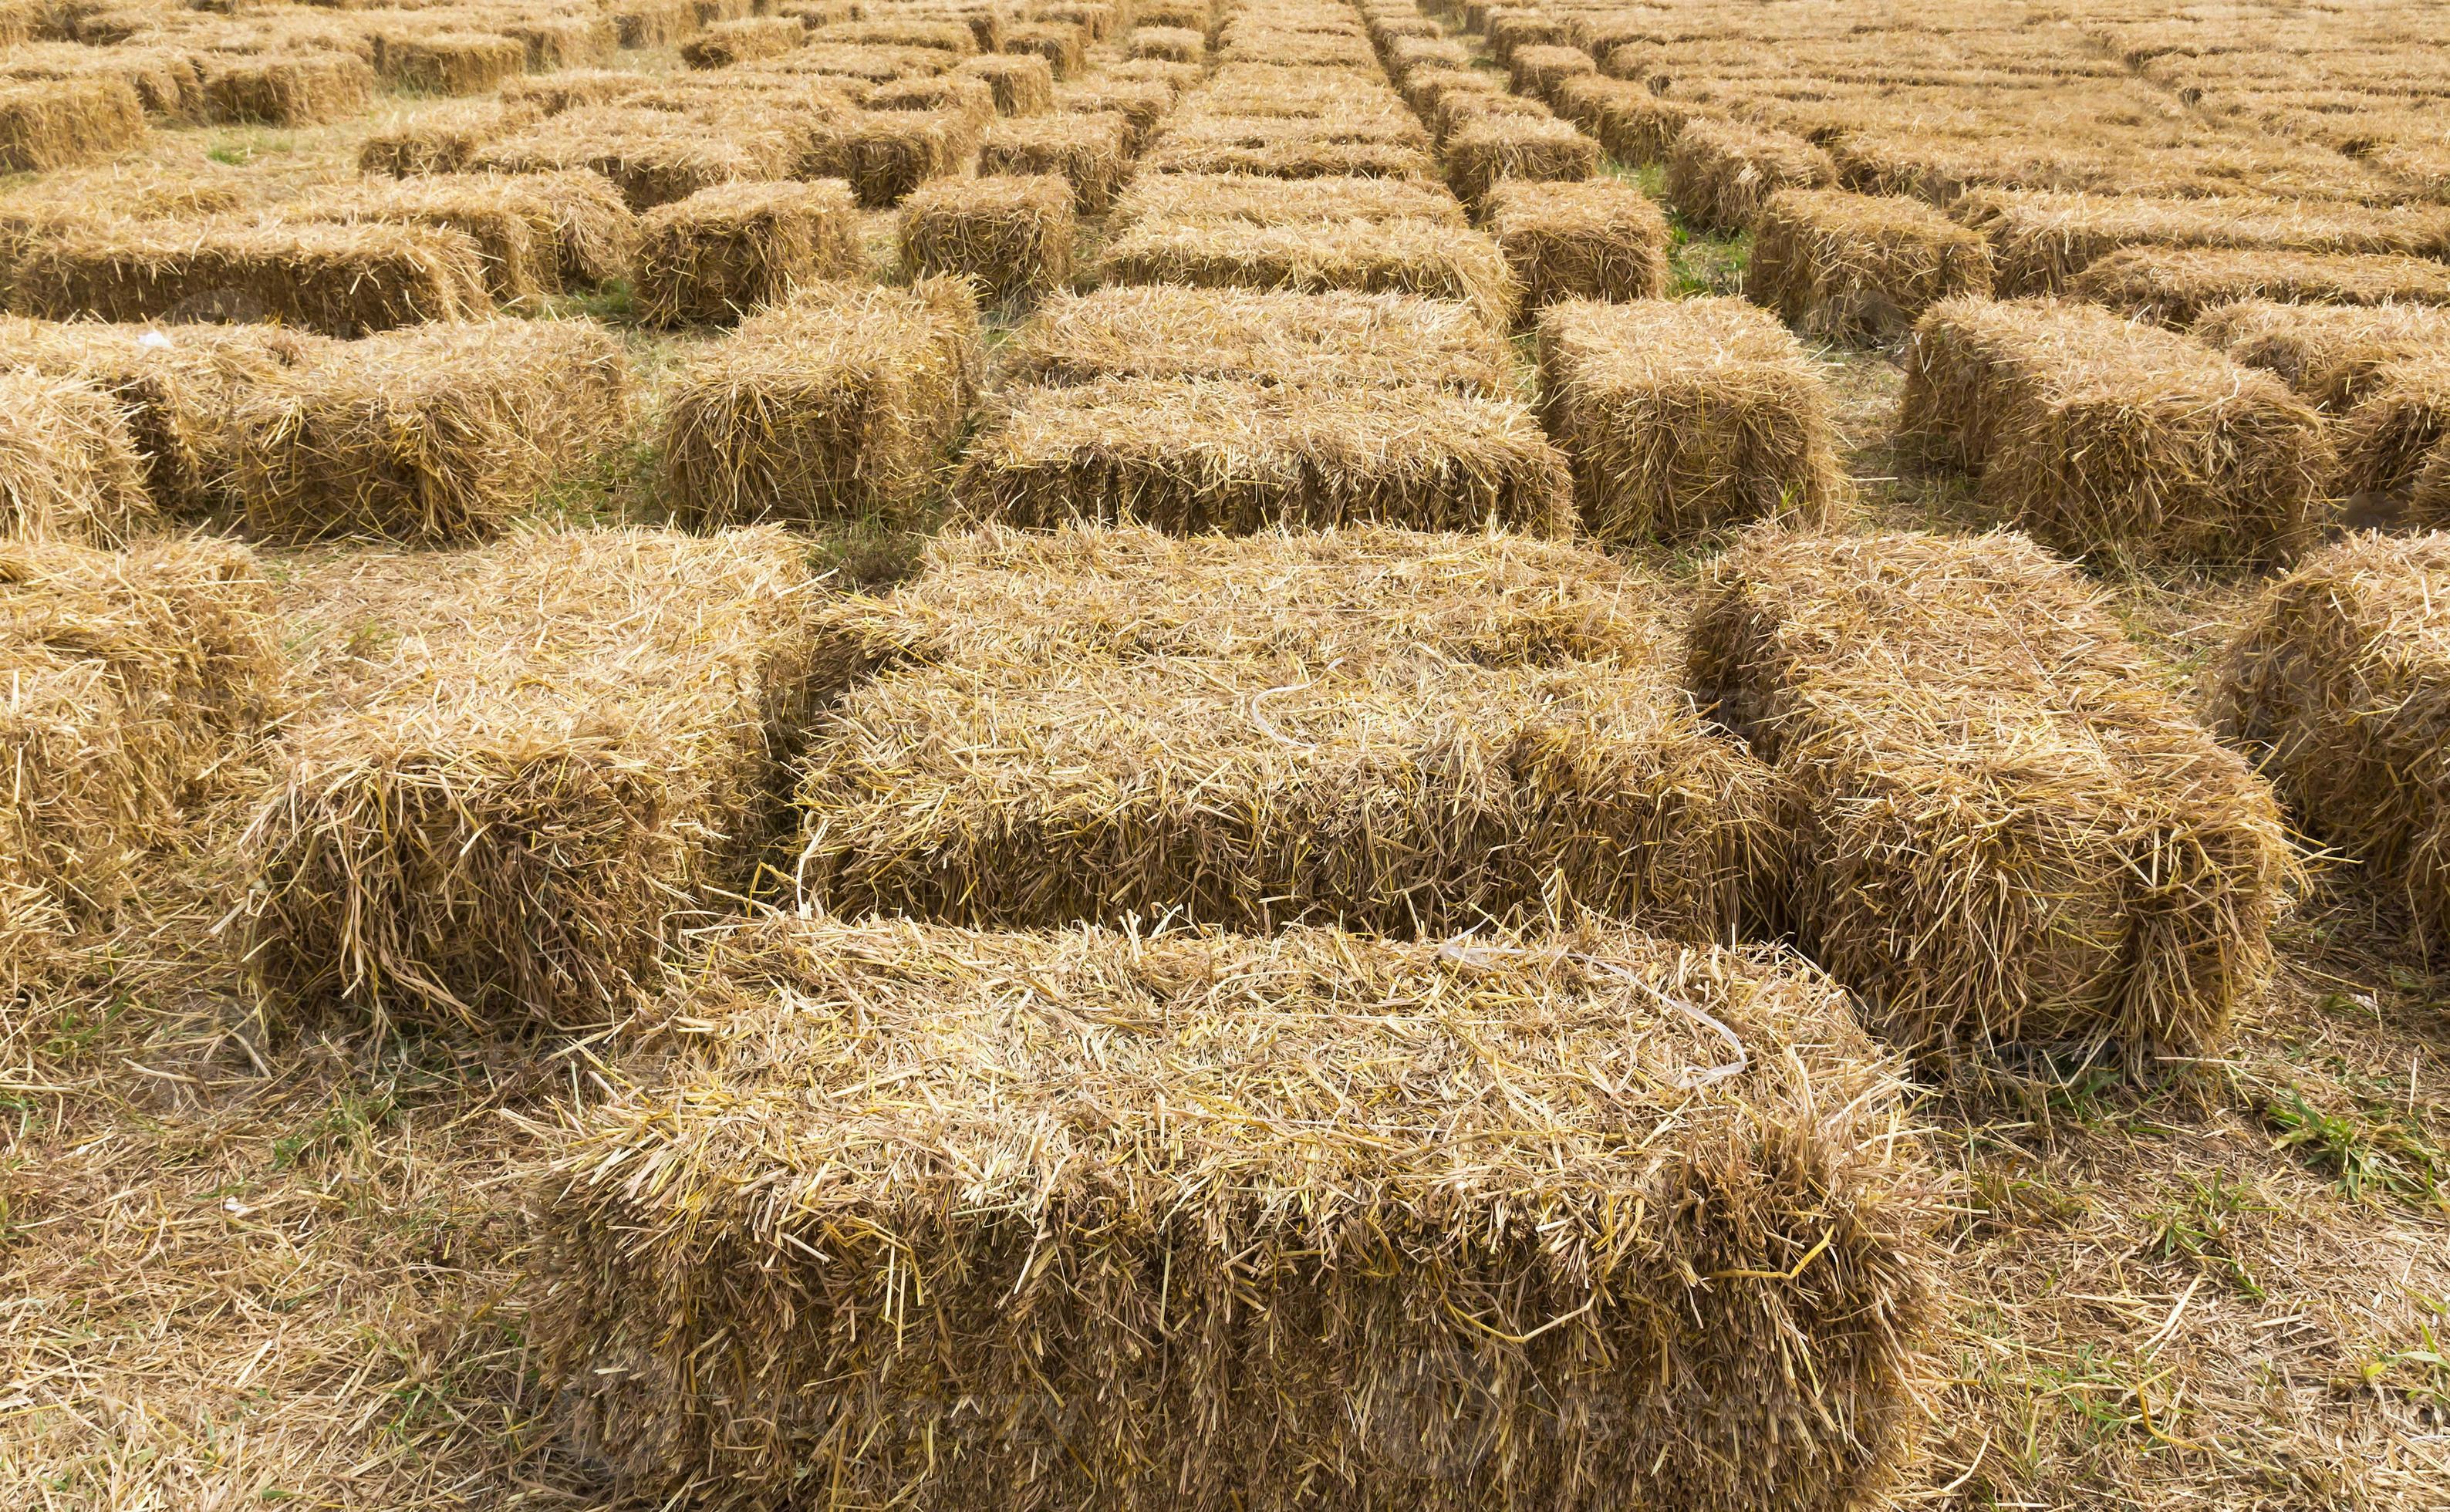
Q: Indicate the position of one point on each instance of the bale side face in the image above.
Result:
(2010, 831)
(733, 248)
(840, 403)
(1720, 173)
(311, 90)
(1483, 154)
(1391, 257)
(1321, 1288)
(1200, 197)
(1859, 268)
(1601, 239)
(1685, 415)
(1022, 85)
(1090, 151)
(1014, 234)
(2044, 238)
(2329, 353)
(54, 123)
(68, 465)
(2340, 682)
(534, 756)
(2174, 286)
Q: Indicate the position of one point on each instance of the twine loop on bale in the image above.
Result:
(1485, 958)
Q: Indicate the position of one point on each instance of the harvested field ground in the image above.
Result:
(252, 1258)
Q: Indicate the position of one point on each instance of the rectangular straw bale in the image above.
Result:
(568, 89)
(1482, 153)
(886, 154)
(1398, 255)
(1597, 238)
(972, 97)
(1517, 27)
(1154, 198)
(1200, 455)
(728, 42)
(1322, 1272)
(900, 31)
(128, 674)
(1091, 153)
(1062, 45)
(1013, 233)
(2327, 352)
(1427, 90)
(2012, 832)
(1538, 70)
(1169, 43)
(307, 90)
(1193, 126)
(1333, 341)
(1637, 126)
(175, 389)
(2044, 238)
(654, 23)
(1855, 267)
(725, 251)
(1405, 54)
(1684, 416)
(985, 19)
(513, 265)
(1291, 156)
(840, 403)
(52, 123)
(2401, 418)
(2339, 683)
(2173, 285)
(1194, 15)
(2098, 435)
(69, 466)
(342, 280)
(534, 761)
(440, 140)
(654, 157)
(1179, 77)
(454, 63)
(571, 40)
(1720, 173)
(1144, 104)
(431, 435)
(1113, 722)
(1457, 109)
(1023, 85)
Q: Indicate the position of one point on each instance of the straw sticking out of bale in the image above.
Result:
(1853, 267)
(289, 91)
(725, 251)
(1022, 85)
(1600, 239)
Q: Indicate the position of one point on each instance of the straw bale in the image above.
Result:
(532, 763)
(902, 31)
(1200, 455)
(454, 61)
(1011, 232)
(1426, 89)
(2010, 830)
(69, 466)
(306, 89)
(1481, 153)
(1096, 19)
(1023, 85)
(434, 434)
(2043, 240)
(2398, 420)
(342, 281)
(558, 41)
(128, 674)
(1346, 1262)
(1634, 126)
(175, 389)
(1396, 256)
(1179, 77)
(164, 78)
(1089, 152)
(2327, 352)
(1517, 28)
(886, 154)
(654, 23)
(53, 123)
(2174, 285)
(985, 20)
(1169, 43)
(1336, 340)
(2098, 435)
(1405, 54)
(1293, 104)
(1292, 157)
(553, 93)
(2339, 684)
(655, 157)
(1537, 70)
(1063, 46)
(514, 266)
(842, 402)
(1156, 198)
(725, 251)
(1853, 267)
(443, 139)
(1112, 722)
(1144, 104)
(1599, 239)
(1720, 173)
(870, 63)
(972, 97)
(1457, 109)
(1192, 15)
(1684, 416)
(728, 42)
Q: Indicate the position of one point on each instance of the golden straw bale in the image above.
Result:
(1636, 127)
(725, 251)
(441, 140)
(1062, 45)
(434, 434)
(176, 388)
(52, 123)
(899, 32)
(2398, 420)
(654, 23)
(69, 466)
(2010, 830)
(2044, 238)
(532, 762)
(1293, 155)
(1096, 20)
(570, 40)
(1233, 1217)
(1012, 233)
(1333, 341)
(1200, 123)
(842, 402)
(1684, 416)
(1194, 15)
(1598, 239)
(1198, 455)
(1023, 85)
(128, 674)
(1399, 257)
(454, 61)
(2173, 285)
(972, 97)
(1427, 90)
(1169, 43)
(1179, 77)
(1512, 29)
(2338, 682)
(2327, 352)
(985, 19)
(1405, 54)
(1457, 109)
(655, 157)
(1481, 154)
(1088, 152)
(886, 154)
(1108, 723)
(1154, 198)
(2098, 435)
(868, 62)
(1855, 267)
(1144, 104)
(516, 265)
(1538, 70)
(553, 93)
(1720, 173)
(307, 90)
(728, 42)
